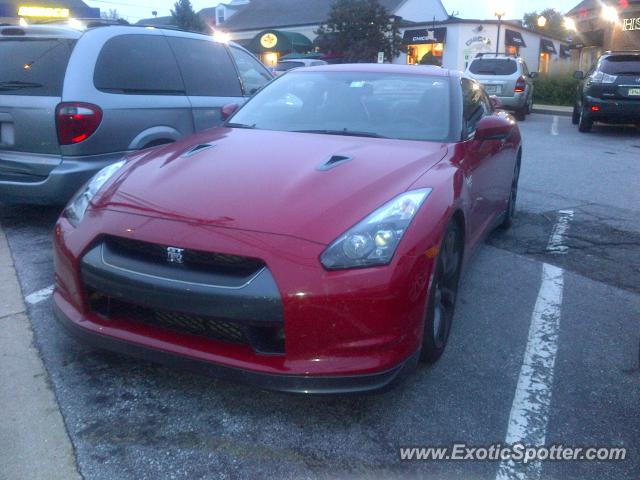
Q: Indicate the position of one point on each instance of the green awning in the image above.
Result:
(297, 56)
(280, 41)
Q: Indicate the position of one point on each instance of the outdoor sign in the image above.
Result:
(631, 24)
(42, 12)
(424, 35)
(268, 40)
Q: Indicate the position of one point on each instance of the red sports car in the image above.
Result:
(314, 243)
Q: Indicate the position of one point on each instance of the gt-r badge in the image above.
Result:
(175, 255)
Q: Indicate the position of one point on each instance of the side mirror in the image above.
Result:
(228, 110)
(496, 103)
(495, 127)
(578, 75)
(533, 75)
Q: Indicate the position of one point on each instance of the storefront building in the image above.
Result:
(454, 43)
(271, 45)
(600, 28)
(11, 11)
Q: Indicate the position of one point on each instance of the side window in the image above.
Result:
(474, 105)
(253, 75)
(139, 65)
(206, 68)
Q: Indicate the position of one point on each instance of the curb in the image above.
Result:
(34, 443)
(551, 111)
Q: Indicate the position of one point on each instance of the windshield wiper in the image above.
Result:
(239, 125)
(351, 133)
(16, 84)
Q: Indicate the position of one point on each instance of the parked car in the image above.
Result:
(506, 77)
(73, 101)
(609, 92)
(313, 243)
(286, 65)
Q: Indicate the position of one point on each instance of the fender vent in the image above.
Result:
(333, 161)
(197, 149)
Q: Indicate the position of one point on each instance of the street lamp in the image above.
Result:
(542, 21)
(499, 13)
(570, 24)
(609, 13)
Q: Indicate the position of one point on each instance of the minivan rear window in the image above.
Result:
(138, 65)
(621, 64)
(493, 66)
(34, 66)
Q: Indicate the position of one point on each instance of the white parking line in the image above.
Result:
(554, 125)
(530, 408)
(557, 242)
(39, 296)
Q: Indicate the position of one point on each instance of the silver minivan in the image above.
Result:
(75, 100)
(506, 77)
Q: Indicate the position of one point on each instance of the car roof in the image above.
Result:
(382, 68)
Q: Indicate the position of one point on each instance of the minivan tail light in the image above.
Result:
(76, 122)
(521, 84)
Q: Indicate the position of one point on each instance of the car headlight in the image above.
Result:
(80, 202)
(374, 240)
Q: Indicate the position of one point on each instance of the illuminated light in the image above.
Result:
(23, 22)
(43, 12)
(432, 252)
(75, 23)
(609, 13)
(222, 37)
(268, 40)
(542, 21)
(27, 66)
(570, 24)
(595, 108)
(271, 59)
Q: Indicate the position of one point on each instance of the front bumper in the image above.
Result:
(614, 110)
(352, 330)
(60, 183)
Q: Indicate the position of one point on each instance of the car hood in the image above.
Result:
(268, 181)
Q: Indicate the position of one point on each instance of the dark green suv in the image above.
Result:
(609, 92)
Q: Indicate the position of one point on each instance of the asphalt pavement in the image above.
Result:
(529, 357)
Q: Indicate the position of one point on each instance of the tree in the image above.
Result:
(360, 29)
(112, 14)
(186, 18)
(554, 25)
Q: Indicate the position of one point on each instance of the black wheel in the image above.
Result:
(521, 114)
(513, 196)
(575, 116)
(442, 296)
(585, 123)
(530, 106)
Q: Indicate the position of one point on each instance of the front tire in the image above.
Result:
(585, 123)
(442, 295)
(510, 213)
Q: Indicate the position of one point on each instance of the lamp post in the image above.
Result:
(499, 14)
(542, 21)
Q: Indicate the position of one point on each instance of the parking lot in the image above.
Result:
(579, 217)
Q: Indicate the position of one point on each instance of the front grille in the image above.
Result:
(263, 339)
(194, 259)
(178, 322)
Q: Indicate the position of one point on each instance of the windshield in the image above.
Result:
(33, 66)
(410, 107)
(493, 66)
(621, 64)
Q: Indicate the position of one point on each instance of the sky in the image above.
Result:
(134, 10)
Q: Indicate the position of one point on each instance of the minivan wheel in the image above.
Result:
(442, 295)
(521, 114)
(585, 123)
(575, 116)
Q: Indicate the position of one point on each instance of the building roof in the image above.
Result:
(48, 3)
(261, 14)
(590, 5)
(156, 21)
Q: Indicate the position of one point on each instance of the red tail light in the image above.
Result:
(520, 85)
(76, 121)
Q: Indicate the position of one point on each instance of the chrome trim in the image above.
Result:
(174, 280)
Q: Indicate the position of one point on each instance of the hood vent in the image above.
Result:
(197, 149)
(333, 161)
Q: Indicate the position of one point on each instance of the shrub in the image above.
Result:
(555, 90)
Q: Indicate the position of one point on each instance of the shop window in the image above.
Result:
(544, 63)
(425, 54)
(270, 59)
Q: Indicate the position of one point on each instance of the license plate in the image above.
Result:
(634, 92)
(491, 89)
